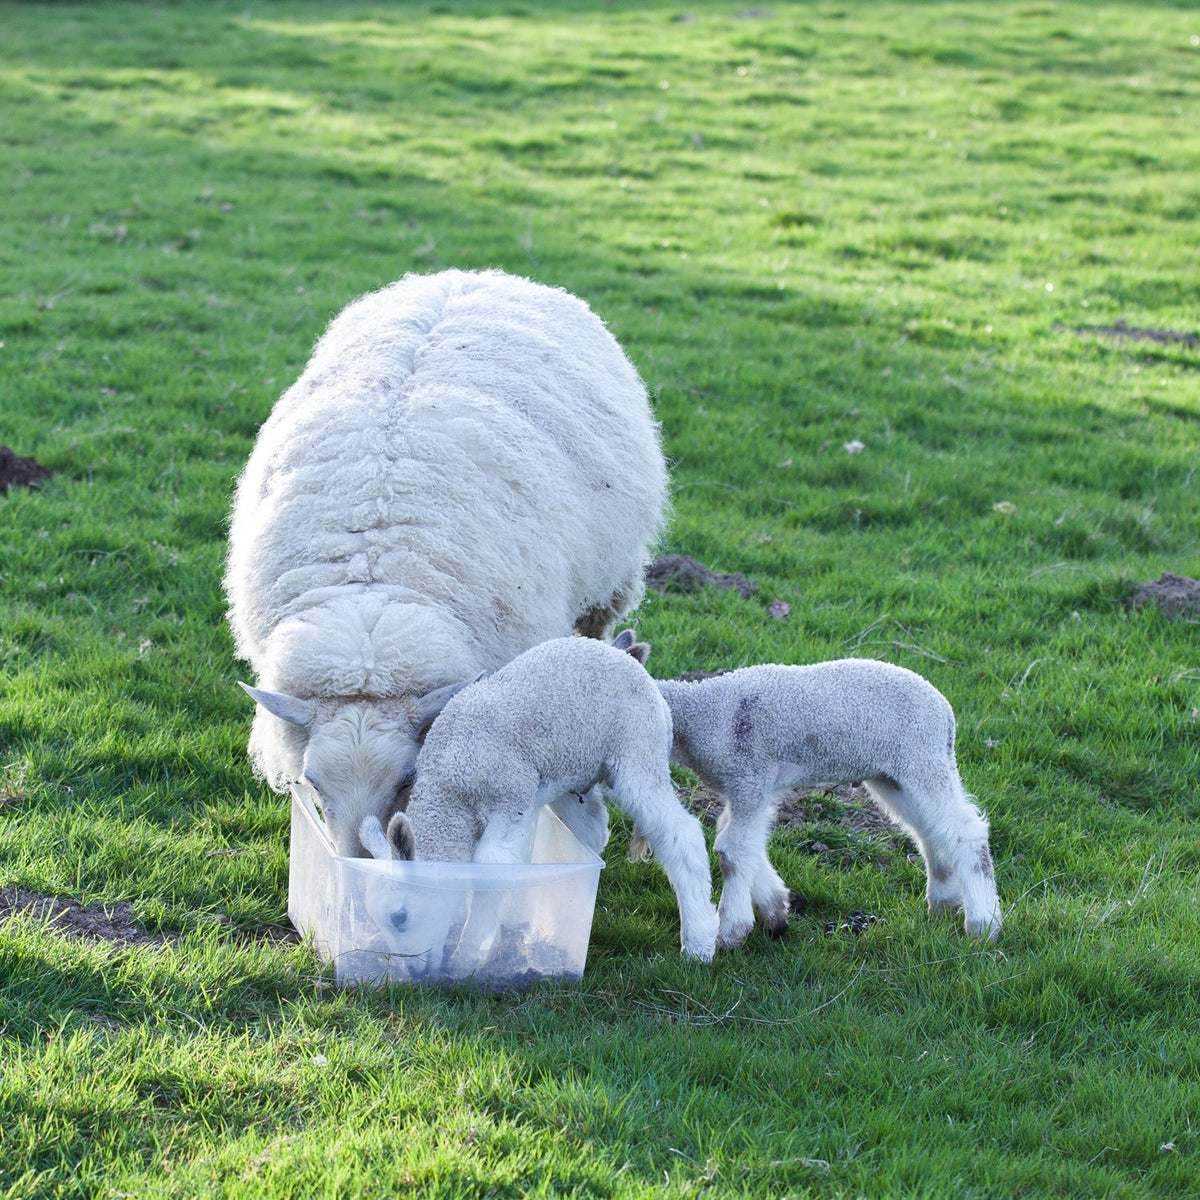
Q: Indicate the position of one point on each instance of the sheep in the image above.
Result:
(562, 717)
(467, 466)
(754, 733)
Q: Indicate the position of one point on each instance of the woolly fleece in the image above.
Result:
(759, 731)
(564, 716)
(467, 466)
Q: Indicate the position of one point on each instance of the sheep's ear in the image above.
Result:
(287, 708)
(400, 837)
(433, 702)
(623, 640)
(640, 651)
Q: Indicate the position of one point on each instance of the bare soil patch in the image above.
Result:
(92, 922)
(1172, 595)
(115, 923)
(16, 471)
(848, 806)
(678, 572)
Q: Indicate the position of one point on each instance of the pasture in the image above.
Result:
(913, 286)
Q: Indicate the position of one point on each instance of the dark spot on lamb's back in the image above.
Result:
(744, 724)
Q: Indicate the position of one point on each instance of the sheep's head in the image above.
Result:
(359, 759)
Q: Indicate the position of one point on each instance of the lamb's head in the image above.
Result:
(449, 834)
(359, 758)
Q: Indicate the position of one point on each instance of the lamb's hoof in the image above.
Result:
(796, 903)
(700, 951)
(639, 848)
(776, 927)
(984, 929)
(734, 936)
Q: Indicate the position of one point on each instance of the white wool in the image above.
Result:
(563, 717)
(758, 732)
(467, 466)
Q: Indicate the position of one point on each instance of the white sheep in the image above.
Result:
(563, 717)
(467, 466)
(758, 732)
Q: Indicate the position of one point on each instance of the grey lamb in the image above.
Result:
(562, 717)
(755, 733)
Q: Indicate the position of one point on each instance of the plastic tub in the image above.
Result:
(496, 926)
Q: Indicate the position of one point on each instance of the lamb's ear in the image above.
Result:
(400, 837)
(623, 640)
(375, 842)
(286, 708)
(640, 651)
(433, 702)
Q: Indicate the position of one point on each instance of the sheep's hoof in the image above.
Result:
(796, 903)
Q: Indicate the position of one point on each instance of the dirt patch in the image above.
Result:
(93, 922)
(1173, 595)
(678, 572)
(848, 806)
(1119, 329)
(115, 923)
(854, 924)
(16, 471)
(274, 935)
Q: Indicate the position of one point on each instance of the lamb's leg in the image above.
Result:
(586, 816)
(952, 835)
(507, 838)
(677, 840)
(749, 883)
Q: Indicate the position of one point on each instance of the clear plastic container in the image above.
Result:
(495, 926)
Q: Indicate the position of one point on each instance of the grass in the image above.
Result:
(897, 223)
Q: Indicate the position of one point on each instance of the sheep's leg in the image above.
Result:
(952, 835)
(677, 840)
(750, 883)
(639, 848)
(735, 912)
(586, 816)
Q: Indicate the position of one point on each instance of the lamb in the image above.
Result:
(467, 466)
(564, 716)
(754, 733)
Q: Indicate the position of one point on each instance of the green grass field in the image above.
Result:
(910, 225)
